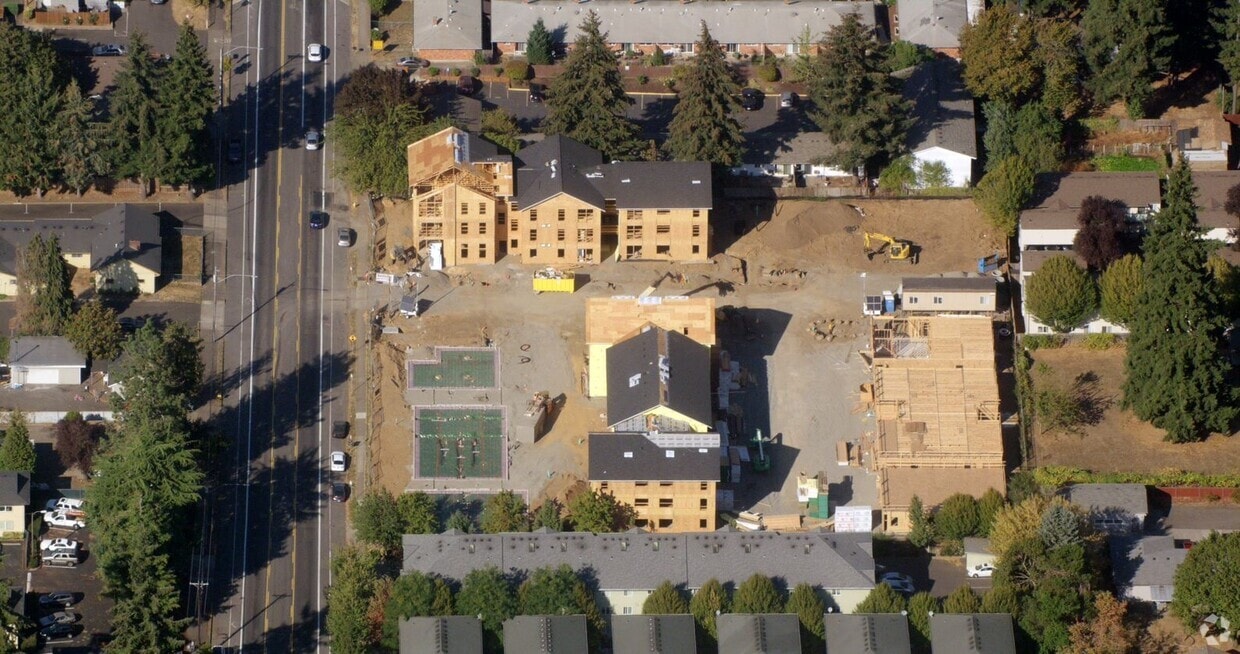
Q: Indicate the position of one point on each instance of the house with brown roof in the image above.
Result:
(936, 403)
(1212, 187)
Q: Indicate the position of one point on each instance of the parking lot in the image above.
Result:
(91, 606)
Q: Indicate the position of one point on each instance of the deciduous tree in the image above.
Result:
(1061, 295)
(1059, 56)
(418, 513)
(1175, 376)
(499, 126)
(665, 600)
(413, 594)
(998, 52)
(353, 584)
(504, 511)
(77, 441)
(95, 332)
(987, 508)
(599, 512)
(17, 451)
(859, 105)
(703, 127)
(486, 592)
(161, 372)
(459, 521)
(587, 100)
(1100, 240)
(1120, 288)
(378, 521)
(956, 517)
(757, 594)
(1004, 191)
(1108, 632)
(378, 114)
(1001, 599)
(1207, 580)
(559, 591)
(899, 177)
(1127, 45)
(539, 46)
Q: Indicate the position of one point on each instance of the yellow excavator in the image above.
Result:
(896, 249)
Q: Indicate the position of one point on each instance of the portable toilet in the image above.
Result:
(889, 302)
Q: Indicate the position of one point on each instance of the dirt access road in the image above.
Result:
(802, 263)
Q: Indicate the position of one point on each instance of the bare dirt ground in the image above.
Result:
(799, 265)
(1119, 442)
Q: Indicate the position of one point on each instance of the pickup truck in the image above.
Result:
(62, 519)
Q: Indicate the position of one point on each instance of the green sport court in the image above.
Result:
(459, 442)
(455, 368)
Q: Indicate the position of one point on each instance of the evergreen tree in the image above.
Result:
(1120, 288)
(708, 602)
(17, 451)
(44, 293)
(1060, 527)
(999, 140)
(998, 52)
(550, 515)
(1226, 22)
(665, 600)
(859, 105)
(1176, 377)
(161, 370)
(1061, 295)
(920, 606)
(500, 127)
(136, 150)
(587, 100)
(703, 127)
(757, 594)
(808, 607)
(883, 599)
(145, 616)
(186, 100)
(460, 522)
(539, 47)
(921, 533)
(1001, 599)
(1059, 55)
(962, 600)
(1127, 44)
(1038, 137)
(956, 517)
(486, 592)
(79, 140)
(503, 512)
(32, 78)
(987, 508)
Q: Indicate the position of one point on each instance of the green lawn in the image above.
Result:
(1127, 163)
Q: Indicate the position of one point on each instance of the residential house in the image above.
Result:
(749, 27)
(669, 479)
(933, 24)
(943, 130)
(546, 634)
(571, 207)
(1049, 225)
(628, 566)
(44, 361)
(448, 30)
(936, 401)
(972, 633)
(1113, 508)
(120, 245)
(459, 187)
(1143, 568)
(802, 150)
(653, 634)
(759, 633)
(658, 381)
(945, 295)
(454, 634)
(1212, 188)
(612, 319)
(867, 633)
(14, 498)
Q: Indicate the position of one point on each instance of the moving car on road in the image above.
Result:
(314, 139)
(318, 219)
(340, 492)
(314, 52)
(234, 151)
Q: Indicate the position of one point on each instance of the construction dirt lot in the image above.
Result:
(786, 265)
(1117, 441)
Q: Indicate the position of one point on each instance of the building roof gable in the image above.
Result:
(867, 633)
(454, 634)
(14, 489)
(44, 352)
(942, 108)
(647, 634)
(630, 456)
(759, 633)
(122, 231)
(1129, 498)
(546, 634)
(935, 24)
(654, 368)
(972, 633)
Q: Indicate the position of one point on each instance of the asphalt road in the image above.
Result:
(284, 338)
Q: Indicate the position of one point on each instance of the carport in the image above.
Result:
(44, 361)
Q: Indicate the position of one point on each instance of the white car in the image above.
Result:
(61, 519)
(314, 139)
(338, 461)
(65, 504)
(314, 52)
(982, 570)
(52, 545)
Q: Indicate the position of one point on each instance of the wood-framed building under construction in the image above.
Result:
(936, 404)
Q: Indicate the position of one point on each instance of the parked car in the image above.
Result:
(59, 617)
(340, 492)
(536, 93)
(340, 429)
(61, 559)
(314, 139)
(314, 52)
(900, 583)
(465, 85)
(318, 219)
(788, 99)
(108, 50)
(57, 599)
(412, 62)
(344, 237)
(58, 632)
(62, 519)
(234, 151)
(338, 462)
(751, 99)
(982, 570)
(53, 545)
(65, 504)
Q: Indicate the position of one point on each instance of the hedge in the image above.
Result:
(1057, 476)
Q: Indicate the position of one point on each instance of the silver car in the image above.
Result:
(314, 139)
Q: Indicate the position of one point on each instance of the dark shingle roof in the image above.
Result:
(948, 283)
(1129, 498)
(44, 351)
(759, 633)
(546, 634)
(634, 457)
(635, 383)
(1212, 187)
(555, 165)
(642, 561)
(14, 489)
(867, 633)
(652, 634)
(1068, 190)
(108, 236)
(456, 634)
(972, 633)
(942, 108)
(1149, 561)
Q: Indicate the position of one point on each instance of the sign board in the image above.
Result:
(858, 519)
